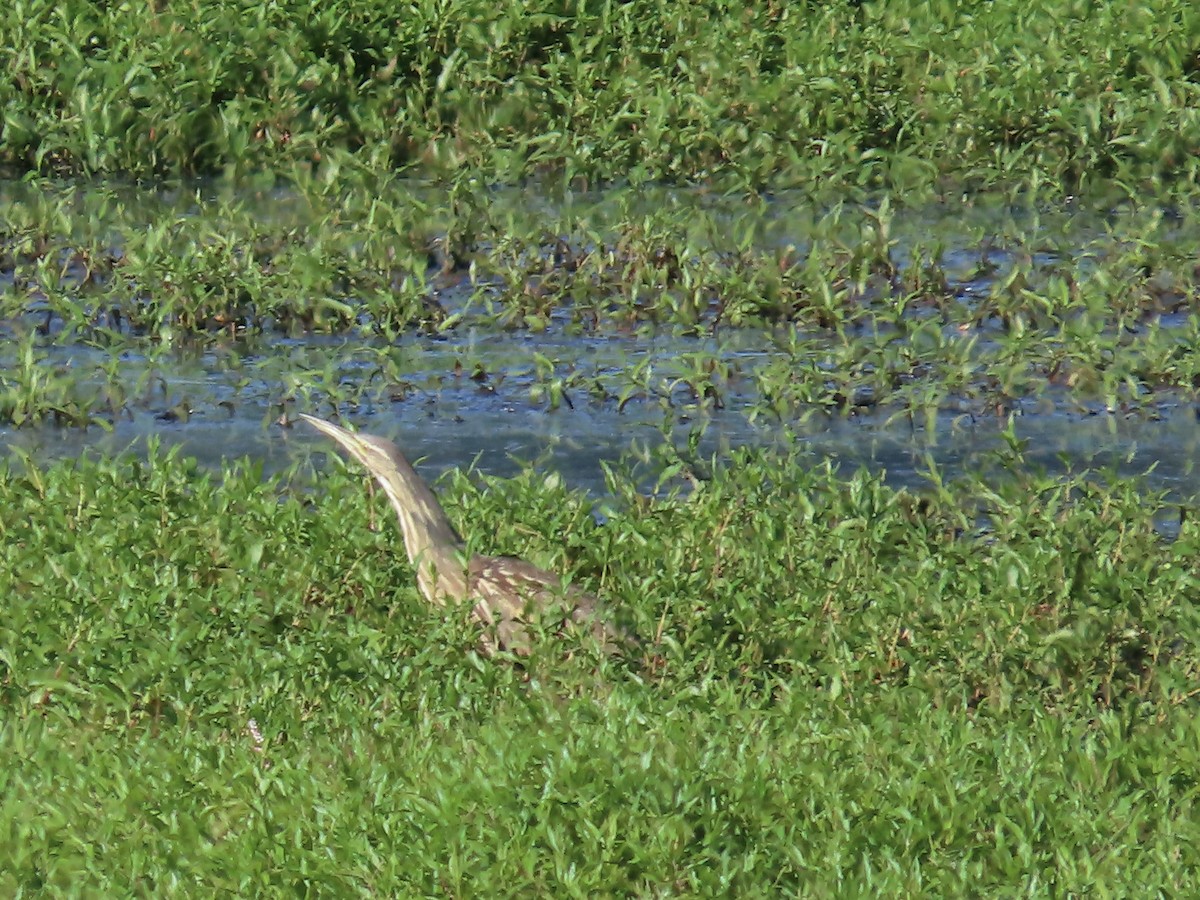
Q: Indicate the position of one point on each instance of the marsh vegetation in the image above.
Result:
(706, 235)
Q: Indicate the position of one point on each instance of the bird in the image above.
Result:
(510, 595)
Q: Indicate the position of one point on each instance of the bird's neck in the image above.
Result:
(433, 545)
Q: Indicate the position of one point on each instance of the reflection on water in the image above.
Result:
(501, 440)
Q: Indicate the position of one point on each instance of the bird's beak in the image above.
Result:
(348, 440)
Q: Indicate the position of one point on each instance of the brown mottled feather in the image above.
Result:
(510, 593)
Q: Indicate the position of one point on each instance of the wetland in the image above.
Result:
(850, 352)
(606, 324)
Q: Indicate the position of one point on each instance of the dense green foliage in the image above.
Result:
(861, 92)
(232, 683)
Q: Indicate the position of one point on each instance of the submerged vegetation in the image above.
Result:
(796, 214)
(786, 307)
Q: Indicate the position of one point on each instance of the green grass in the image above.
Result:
(850, 690)
(861, 93)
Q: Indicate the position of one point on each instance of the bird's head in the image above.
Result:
(422, 519)
(376, 454)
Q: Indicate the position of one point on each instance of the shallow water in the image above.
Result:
(500, 437)
(224, 399)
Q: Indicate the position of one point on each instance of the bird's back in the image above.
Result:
(515, 596)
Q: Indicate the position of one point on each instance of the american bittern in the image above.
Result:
(509, 593)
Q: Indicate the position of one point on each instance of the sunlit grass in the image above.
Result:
(857, 92)
(232, 682)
